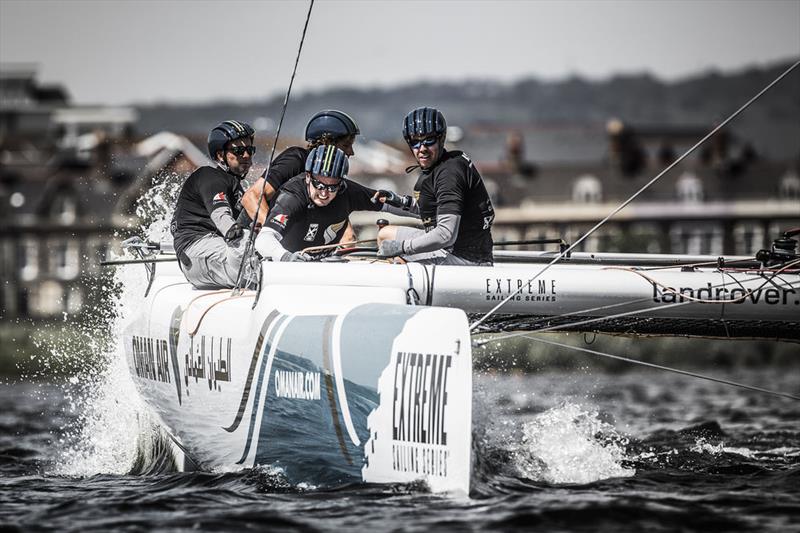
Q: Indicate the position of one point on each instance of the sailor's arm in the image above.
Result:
(268, 243)
(214, 195)
(251, 196)
(393, 203)
(442, 236)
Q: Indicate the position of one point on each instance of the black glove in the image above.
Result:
(295, 257)
(234, 232)
(244, 219)
(393, 199)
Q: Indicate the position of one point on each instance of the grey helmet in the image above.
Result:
(225, 132)
(330, 122)
(329, 161)
(424, 122)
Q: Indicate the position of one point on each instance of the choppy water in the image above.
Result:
(555, 451)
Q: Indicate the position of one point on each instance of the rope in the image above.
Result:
(683, 296)
(667, 368)
(209, 308)
(619, 208)
(248, 251)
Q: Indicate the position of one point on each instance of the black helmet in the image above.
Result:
(330, 122)
(424, 122)
(329, 161)
(227, 131)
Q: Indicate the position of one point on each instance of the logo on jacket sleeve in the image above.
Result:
(281, 220)
(219, 197)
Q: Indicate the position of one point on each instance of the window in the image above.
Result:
(790, 186)
(696, 239)
(47, 299)
(689, 188)
(748, 238)
(64, 258)
(74, 300)
(587, 190)
(65, 209)
(28, 259)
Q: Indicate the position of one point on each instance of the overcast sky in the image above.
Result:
(117, 51)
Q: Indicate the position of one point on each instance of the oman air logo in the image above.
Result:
(281, 220)
(311, 232)
(219, 197)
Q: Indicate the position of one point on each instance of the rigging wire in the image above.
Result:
(667, 368)
(624, 204)
(248, 251)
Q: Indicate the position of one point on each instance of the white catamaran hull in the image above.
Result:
(366, 375)
(331, 385)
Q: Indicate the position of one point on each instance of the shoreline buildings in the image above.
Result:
(71, 178)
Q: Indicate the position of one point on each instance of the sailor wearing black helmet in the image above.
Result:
(312, 209)
(326, 127)
(207, 237)
(451, 197)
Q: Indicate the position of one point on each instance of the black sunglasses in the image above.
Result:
(429, 141)
(342, 185)
(239, 151)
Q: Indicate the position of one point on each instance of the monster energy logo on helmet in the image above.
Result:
(327, 160)
(424, 122)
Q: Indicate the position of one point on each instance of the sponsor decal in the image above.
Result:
(419, 410)
(738, 295)
(332, 230)
(209, 359)
(540, 290)
(311, 232)
(281, 220)
(297, 385)
(219, 197)
(150, 359)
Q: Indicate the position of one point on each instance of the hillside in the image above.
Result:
(772, 124)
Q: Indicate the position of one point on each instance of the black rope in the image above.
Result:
(248, 251)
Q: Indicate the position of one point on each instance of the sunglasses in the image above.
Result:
(239, 151)
(430, 141)
(342, 185)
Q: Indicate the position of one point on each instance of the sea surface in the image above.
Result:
(553, 451)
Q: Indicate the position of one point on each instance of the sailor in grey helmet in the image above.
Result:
(208, 239)
(329, 126)
(312, 209)
(451, 198)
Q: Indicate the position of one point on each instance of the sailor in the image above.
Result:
(453, 204)
(312, 209)
(208, 239)
(329, 126)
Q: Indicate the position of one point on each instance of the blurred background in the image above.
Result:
(566, 107)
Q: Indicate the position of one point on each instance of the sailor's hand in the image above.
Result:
(234, 232)
(393, 199)
(390, 249)
(295, 257)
